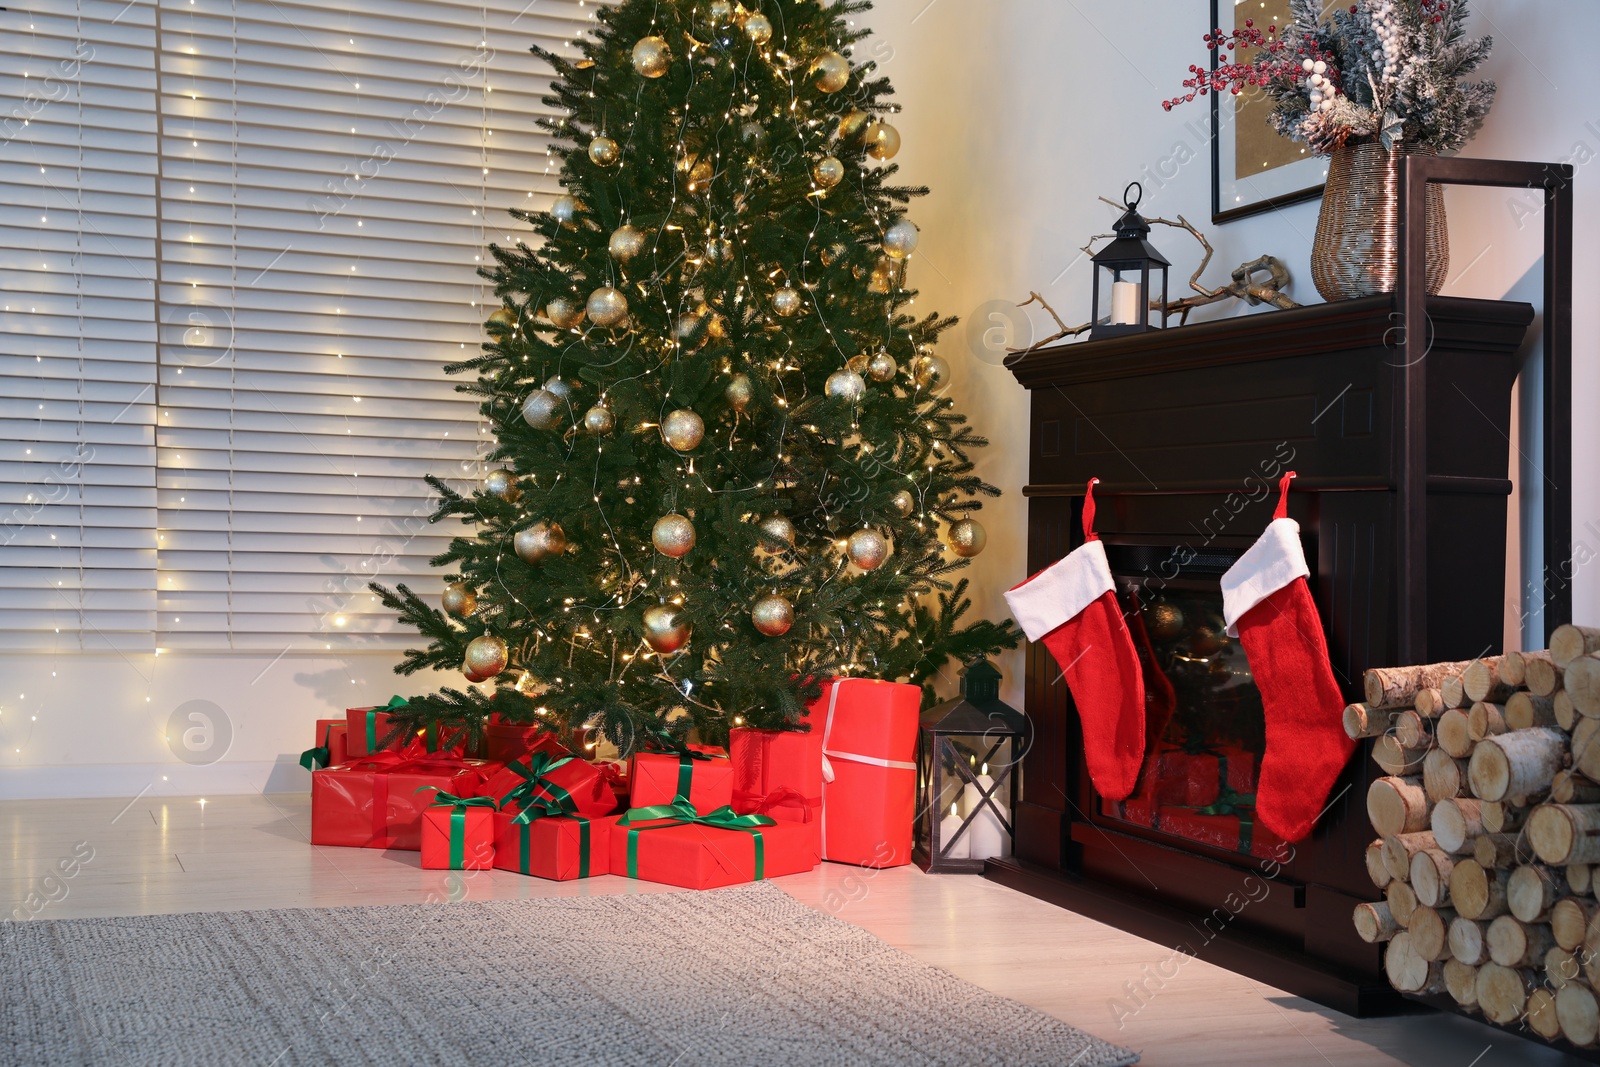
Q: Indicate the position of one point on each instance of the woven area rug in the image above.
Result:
(746, 975)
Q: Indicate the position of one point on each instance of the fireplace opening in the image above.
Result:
(1205, 731)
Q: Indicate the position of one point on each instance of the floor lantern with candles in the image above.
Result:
(969, 772)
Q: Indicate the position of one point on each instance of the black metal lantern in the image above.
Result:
(1130, 260)
(968, 775)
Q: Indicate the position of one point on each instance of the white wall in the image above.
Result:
(1019, 113)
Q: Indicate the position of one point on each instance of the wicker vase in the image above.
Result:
(1356, 251)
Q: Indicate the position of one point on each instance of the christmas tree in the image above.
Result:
(727, 466)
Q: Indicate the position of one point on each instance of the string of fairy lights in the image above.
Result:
(623, 582)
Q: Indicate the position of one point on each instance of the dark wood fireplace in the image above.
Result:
(1188, 430)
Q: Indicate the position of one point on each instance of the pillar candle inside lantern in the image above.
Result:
(1124, 303)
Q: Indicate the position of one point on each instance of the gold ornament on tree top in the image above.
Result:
(673, 535)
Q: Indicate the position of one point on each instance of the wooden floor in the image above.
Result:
(169, 855)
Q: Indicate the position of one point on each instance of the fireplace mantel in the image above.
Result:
(1184, 427)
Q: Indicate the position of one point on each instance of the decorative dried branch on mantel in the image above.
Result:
(1243, 287)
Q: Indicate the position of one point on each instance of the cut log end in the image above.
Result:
(1578, 1014)
(1502, 991)
(1570, 642)
(1375, 922)
(1397, 806)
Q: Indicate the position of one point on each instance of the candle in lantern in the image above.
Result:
(986, 833)
(1124, 303)
(949, 826)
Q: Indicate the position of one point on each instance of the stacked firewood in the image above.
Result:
(1488, 823)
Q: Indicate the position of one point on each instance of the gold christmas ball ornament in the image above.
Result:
(853, 123)
(845, 385)
(503, 317)
(458, 600)
(673, 535)
(486, 657)
(683, 430)
(899, 241)
(867, 549)
(787, 301)
(832, 72)
(738, 392)
(564, 312)
(540, 541)
(607, 306)
(828, 172)
(721, 12)
(773, 615)
(778, 527)
(626, 242)
(932, 372)
(651, 57)
(503, 484)
(566, 209)
(1164, 621)
(883, 141)
(967, 538)
(758, 28)
(664, 628)
(604, 151)
(543, 410)
(904, 503)
(599, 420)
(882, 367)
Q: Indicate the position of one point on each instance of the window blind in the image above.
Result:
(78, 173)
(330, 177)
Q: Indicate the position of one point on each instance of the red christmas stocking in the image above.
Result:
(1267, 605)
(1071, 607)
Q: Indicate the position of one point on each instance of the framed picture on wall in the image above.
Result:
(1253, 167)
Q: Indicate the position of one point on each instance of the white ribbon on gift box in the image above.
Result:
(851, 757)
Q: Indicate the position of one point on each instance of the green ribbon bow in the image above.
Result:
(313, 758)
(686, 757)
(395, 702)
(458, 820)
(681, 813)
(540, 764)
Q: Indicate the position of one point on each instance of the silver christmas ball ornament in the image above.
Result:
(899, 240)
(683, 430)
(566, 209)
(599, 420)
(543, 410)
(626, 242)
(787, 301)
(845, 385)
(673, 535)
(503, 484)
(867, 549)
(773, 615)
(607, 306)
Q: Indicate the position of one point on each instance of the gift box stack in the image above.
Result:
(772, 803)
(1204, 796)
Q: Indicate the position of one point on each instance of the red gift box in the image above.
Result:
(1188, 779)
(659, 777)
(506, 741)
(553, 846)
(367, 727)
(778, 773)
(459, 836)
(579, 779)
(869, 789)
(374, 803)
(696, 856)
(329, 750)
